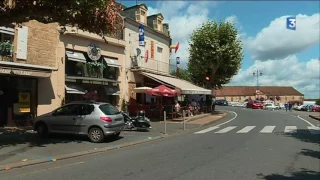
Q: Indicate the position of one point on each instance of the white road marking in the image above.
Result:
(246, 129)
(267, 129)
(217, 126)
(290, 129)
(306, 121)
(314, 130)
(227, 129)
(207, 130)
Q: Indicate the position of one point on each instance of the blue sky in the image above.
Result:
(268, 45)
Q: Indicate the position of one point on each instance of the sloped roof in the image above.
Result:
(250, 91)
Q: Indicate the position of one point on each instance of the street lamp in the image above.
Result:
(256, 72)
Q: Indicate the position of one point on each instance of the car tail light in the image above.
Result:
(106, 119)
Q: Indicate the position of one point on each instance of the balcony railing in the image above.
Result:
(6, 51)
(92, 70)
(153, 65)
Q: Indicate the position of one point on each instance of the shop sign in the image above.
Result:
(21, 72)
(24, 102)
(152, 49)
(94, 52)
(5, 71)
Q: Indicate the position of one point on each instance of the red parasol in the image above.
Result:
(163, 90)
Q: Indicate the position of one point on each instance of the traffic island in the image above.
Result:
(316, 117)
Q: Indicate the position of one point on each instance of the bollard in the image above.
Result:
(184, 119)
(165, 122)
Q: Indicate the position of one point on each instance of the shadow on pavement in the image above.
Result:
(304, 135)
(311, 153)
(300, 175)
(33, 140)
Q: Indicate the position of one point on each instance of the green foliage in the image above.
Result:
(318, 102)
(214, 46)
(97, 16)
(183, 74)
(6, 48)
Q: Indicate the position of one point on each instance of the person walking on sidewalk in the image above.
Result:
(213, 103)
(286, 106)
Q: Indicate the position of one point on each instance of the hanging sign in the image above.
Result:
(146, 56)
(141, 35)
(94, 52)
(24, 102)
(152, 49)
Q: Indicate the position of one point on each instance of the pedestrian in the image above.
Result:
(201, 105)
(290, 106)
(286, 106)
(213, 103)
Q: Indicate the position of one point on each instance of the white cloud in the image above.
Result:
(277, 42)
(183, 17)
(302, 76)
(232, 19)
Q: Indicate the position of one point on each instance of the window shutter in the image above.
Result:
(155, 24)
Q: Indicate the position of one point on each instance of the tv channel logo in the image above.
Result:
(291, 23)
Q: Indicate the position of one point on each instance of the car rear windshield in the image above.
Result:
(256, 102)
(108, 109)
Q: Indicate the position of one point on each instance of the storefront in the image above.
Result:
(19, 94)
(93, 70)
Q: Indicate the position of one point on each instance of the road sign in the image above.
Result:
(291, 23)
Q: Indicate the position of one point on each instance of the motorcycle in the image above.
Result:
(140, 122)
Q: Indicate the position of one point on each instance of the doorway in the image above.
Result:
(5, 97)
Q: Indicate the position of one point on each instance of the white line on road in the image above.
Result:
(227, 129)
(306, 121)
(267, 129)
(207, 130)
(217, 126)
(246, 129)
(290, 129)
(314, 129)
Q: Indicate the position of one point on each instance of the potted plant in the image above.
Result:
(79, 68)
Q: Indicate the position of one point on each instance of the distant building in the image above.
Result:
(279, 94)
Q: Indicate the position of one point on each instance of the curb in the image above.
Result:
(95, 151)
(315, 117)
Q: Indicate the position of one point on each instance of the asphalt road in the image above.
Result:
(253, 145)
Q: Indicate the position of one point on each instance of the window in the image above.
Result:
(231, 98)
(159, 25)
(108, 109)
(239, 98)
(69, 110)
(86, 109)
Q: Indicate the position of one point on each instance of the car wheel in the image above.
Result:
(96, 135)
(42, 130)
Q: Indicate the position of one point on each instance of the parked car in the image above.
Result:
(300, 108)
(221, 102)
(255, 104)
(316, 108)
(271, 106)
(94, 119)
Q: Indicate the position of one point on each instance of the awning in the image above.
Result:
(76, 56)
(185, 86)
(25, 72)
(6, 30)
(112, 62)
(74, 89)
(141, 89)
(115, 91)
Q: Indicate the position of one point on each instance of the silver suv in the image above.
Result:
(94, 119)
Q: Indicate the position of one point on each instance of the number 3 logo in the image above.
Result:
(291, 23)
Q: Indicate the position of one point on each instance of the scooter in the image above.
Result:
(140, 122)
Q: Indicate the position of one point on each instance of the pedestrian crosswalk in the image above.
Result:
(263, 130)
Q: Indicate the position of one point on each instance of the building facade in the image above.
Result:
(43, 66)
(28, 72)
(93, 66)
(148, 64)
(277, 94)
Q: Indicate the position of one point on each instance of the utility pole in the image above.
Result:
(256, 73)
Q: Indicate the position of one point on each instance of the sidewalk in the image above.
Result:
(22, 148)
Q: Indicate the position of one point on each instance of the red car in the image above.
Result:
(316, 108)
(255, 105)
